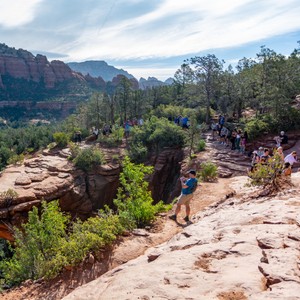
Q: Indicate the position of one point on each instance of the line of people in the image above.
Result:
(236, 139)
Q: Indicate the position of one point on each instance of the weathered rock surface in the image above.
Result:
(51, 177)
(245, 247)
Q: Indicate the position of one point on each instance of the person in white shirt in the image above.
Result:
(291, 158)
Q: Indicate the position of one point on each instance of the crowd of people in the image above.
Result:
(237, 140)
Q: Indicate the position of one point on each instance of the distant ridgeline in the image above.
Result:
(99, 68)
(31, 85)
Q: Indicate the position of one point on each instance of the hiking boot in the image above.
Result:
(187, 219)
(173, 217)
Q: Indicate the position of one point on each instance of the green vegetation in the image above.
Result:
(48, 242)
(154, 135)
(15, 142)
(267, 173)
(44, 245)
(208, 171)
(8, 196)
(61, 139)
(89, 158)
(114, 139)
(134, 201)
(201, 145)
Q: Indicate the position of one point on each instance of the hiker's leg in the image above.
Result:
(178, 208)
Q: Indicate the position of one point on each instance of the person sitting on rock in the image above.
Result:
(265, 157)
(279, 153)
(188, 188)
(260, 151)
(283, 138)
(287, 169)
(255, 160)
(95, 132)
(291, 158)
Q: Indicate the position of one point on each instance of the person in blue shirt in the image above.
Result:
(188, 186)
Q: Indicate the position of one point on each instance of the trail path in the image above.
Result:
(135, 245)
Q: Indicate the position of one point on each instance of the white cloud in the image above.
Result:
(124, 30)
(17, 12)
(184, 27)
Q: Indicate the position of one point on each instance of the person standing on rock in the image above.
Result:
(188, 186)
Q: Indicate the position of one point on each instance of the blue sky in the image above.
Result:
(149, 37)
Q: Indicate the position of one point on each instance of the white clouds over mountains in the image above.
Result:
(123, 30)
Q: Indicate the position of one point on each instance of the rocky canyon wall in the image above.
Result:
(52, 176)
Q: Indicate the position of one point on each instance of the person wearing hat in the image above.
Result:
(188, 186)
(260, 151)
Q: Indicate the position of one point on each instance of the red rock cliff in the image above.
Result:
(22, 64)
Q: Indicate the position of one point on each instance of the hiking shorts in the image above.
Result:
(184, 199)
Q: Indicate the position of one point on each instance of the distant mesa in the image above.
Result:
(96, 68)
(153, 82)
(99, 68)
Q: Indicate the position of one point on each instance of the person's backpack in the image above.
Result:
(193, 189)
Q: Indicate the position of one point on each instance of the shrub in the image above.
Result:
(74, 149)
(267, 173)
(88, 158)
(157, 134)
(15, 158)
(134, 201)
(91, 235)
(43, 246)
(208, 171)
(256, 127)
(138, 152)
(114, 139)
(8, 196)
(61, 139)
(201, 145)
(37, 246)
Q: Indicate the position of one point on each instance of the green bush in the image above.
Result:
(14, 159)
(201, 145)
(8, 196)
(88, 158)
(37, 251)
(267, 173)
(61, 139)
(208, 171)
(74, 149)
(114, 139)
(134, 201)
(44, 245)
(91, 235)
(138, 152)
(157, 134)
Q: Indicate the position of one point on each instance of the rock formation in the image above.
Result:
(23, 64)
(240, 248)
(51, 176)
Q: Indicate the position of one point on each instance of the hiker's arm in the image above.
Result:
(183, 181)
